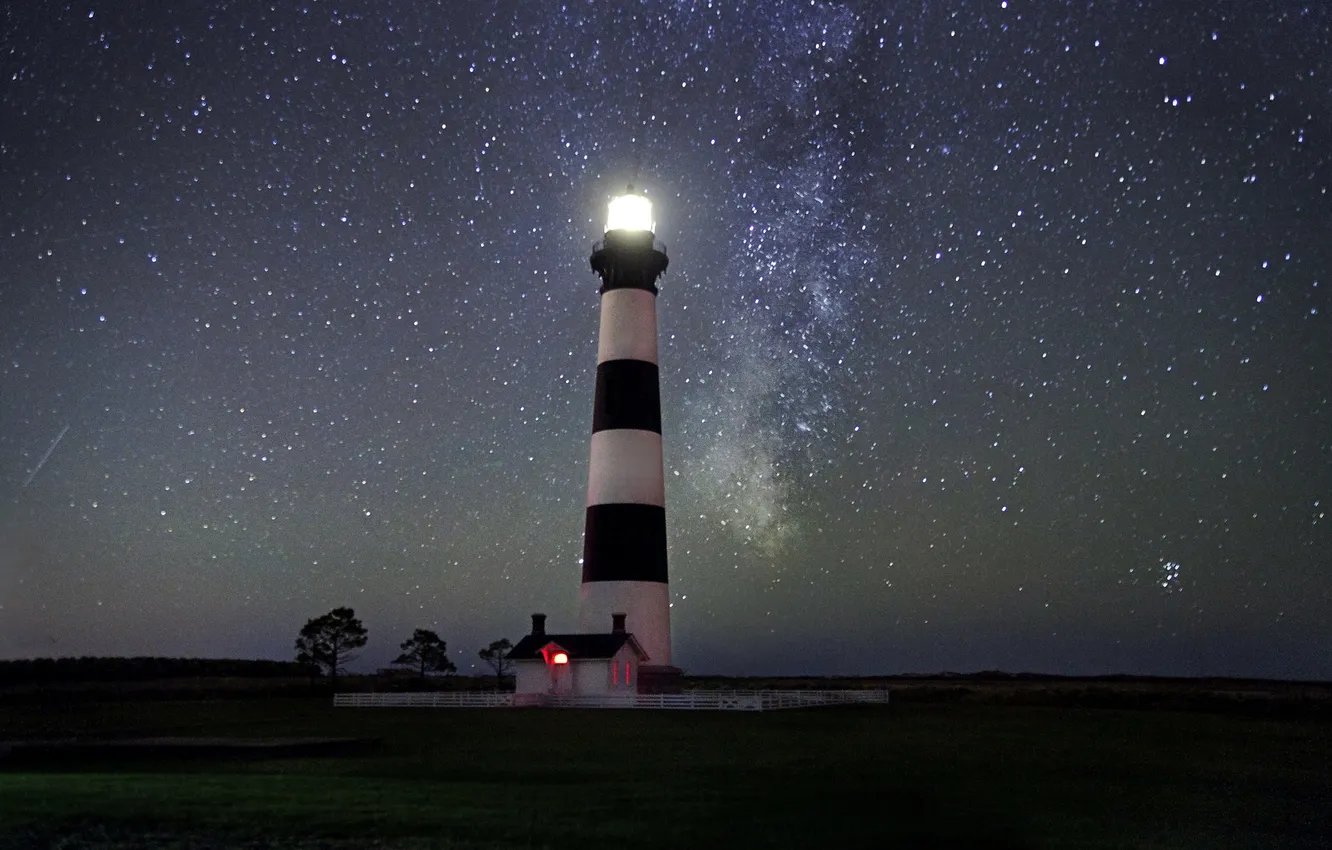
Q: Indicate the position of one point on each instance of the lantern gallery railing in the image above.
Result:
(686, 700)
(657, 245)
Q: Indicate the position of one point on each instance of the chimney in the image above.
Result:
(539, 625)
(617, 623)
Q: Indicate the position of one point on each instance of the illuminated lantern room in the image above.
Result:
(630, 212)
(629, 256)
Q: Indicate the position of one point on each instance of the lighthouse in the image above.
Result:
(624, 532)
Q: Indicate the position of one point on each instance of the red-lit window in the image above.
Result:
(626, 672)
(560, 658)
(615, 673)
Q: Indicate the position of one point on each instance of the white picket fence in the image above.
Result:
(459, 699)
(685, 700)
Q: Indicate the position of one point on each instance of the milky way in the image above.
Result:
(994, 335)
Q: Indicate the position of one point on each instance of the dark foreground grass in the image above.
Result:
(904, 776)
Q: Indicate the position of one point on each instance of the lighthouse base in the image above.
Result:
(646, 604)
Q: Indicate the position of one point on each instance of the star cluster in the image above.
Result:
(995, 333)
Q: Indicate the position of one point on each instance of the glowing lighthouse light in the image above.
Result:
(561, 658)
(630, 212)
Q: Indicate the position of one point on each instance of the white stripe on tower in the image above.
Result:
(633, 458)
(628, 326)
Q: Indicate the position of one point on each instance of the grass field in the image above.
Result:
(955, 775)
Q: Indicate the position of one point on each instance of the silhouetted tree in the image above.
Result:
(425, 653)
(496, 656)
(328, 642)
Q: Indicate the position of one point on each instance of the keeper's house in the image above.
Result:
(577, 664)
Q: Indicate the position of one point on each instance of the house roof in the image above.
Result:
(585, 646)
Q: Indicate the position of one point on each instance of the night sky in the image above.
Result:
(995, 335)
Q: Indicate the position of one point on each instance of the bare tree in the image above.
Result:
(496, 655)
(328, 642)
(426, 653)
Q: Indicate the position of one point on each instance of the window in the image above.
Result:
(626, 672)
(561, 658)
(615, 672)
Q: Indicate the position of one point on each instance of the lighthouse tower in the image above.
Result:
(624, 537)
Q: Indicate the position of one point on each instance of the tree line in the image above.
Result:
(328, 643)
(46, 671)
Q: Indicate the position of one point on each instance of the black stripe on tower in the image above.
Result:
(624, 542)
(627, 396)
